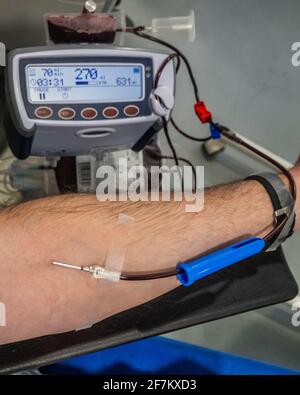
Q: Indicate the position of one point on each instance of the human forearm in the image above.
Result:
(42, 299)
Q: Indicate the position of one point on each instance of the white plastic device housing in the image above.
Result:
(56, 138)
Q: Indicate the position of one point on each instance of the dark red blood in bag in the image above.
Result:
(100, 28)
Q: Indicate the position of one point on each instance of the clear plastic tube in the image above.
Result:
(183, 24)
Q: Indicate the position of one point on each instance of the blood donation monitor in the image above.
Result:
(71, 100)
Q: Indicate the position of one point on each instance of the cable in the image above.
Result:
(169, 141)
(183, 160)
(138, 31)
(163, 66)
(174, 153)
(200, 139)
(162, 156)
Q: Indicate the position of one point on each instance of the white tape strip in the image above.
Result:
(116, 254)
(125, 219)
(114, 262)
(2, 314)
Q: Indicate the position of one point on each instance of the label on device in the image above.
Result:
(84, 83)
(87, 166)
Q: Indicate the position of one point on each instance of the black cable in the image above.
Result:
(188, 163)
(181, 159)
(169, 141)
(163, 66)
(118, 3)
(138, 31)
(179, 130)
(174, 153)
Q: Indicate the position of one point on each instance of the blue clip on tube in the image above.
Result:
(204, 266)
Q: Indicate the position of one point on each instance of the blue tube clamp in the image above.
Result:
(212, 263)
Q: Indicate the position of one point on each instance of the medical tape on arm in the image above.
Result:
(115, 257)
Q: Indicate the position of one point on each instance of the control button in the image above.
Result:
(43, 112)
(66, 113)
(110, 112)
(131, 111)
(89, 113)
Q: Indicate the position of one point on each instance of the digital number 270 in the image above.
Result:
(86, 73)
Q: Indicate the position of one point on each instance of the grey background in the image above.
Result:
(242, 60)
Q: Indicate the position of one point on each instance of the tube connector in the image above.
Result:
(96, 271)
(99, 272)
(202, 112)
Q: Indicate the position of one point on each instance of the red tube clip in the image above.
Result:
(203, 114)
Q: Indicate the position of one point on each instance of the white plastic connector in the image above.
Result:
(185, 24)
(104, 274)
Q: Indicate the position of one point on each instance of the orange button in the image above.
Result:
(131, 111)
(89, 113)
(43, 112)
(110, 112)
(66, 113)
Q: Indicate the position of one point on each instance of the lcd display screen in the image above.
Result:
(84, 83)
